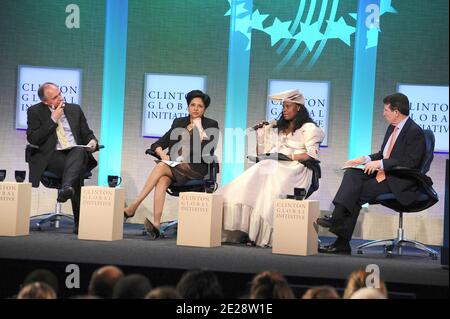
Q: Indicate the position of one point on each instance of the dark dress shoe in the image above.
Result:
(151, 230)
(336, 249)
(325, 222)
(65, 194)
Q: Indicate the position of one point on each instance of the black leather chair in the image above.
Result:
(427, 198)
(310, 163)
(51, 180)
(207, 184)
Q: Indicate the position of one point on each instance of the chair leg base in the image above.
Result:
(52, 218)
(391, 244)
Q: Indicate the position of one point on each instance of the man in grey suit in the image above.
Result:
(56, 127)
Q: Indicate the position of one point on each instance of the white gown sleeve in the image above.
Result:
(312, 136)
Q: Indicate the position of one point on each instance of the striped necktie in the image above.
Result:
(62, 135)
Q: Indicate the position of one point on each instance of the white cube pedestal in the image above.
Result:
(293, 227)
(101, 213)
(200, 219)
(15, 206)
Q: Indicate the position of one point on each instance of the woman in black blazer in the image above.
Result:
(188, 140)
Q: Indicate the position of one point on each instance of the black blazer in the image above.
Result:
(41, 132)
(196, 154)
(408, 151)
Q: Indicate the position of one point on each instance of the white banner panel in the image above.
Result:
(316, 100)
(428, 107)
(31, 77)
(164, 100)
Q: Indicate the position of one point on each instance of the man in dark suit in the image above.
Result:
(403, 145)
(56, 127)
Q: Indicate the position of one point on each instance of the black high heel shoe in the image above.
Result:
(151, 230)
(126, 216)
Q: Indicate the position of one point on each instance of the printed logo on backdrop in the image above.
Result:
(164, 100)
(316, 101)
(428, 107)
(31, 77)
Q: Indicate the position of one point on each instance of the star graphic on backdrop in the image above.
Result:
(258, 19)
(372, 37)
(386, 6)
(353, 15)
(309, 34)
(243, 25)
(240, 8)
(279, 30)
(339, 30)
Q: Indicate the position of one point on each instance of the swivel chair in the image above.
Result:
(311, 163)
(53, 181)
(207, 184)
(427, 198)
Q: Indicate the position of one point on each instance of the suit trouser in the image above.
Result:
(71, 165)
(356, 189)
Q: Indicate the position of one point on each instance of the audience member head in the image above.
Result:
(42, 275)
(103, 281)
(368, 293)
(270, 285)
(357, 280)
(199, 284)
(322, 292)
(164, 292)
(133, 286)
(37, 290)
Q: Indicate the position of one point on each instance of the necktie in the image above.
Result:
(381, 175)
(61, 135)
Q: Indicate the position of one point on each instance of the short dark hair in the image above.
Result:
(164, 292)
(41, 93)
(133, 286)
(197, 93)
(199, 284)
(397, 101)
(103, 281)
(42, 275)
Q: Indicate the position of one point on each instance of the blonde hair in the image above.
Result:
(357, 280)
(37, 290)
(368, 293)
(322, 292)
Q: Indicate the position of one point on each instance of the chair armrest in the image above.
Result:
(410, 173)
(314, 165)
(30, 149)
(310, 161)
(403, 170)
(210, 159)
(151, 152)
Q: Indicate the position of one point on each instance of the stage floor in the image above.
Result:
(137, 250)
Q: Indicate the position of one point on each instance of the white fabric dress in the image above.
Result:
(249, 199)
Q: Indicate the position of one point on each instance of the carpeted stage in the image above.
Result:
(413, 275)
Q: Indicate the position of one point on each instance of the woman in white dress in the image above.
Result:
(249, 199)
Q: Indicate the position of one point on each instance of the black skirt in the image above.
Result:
(184, 172)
